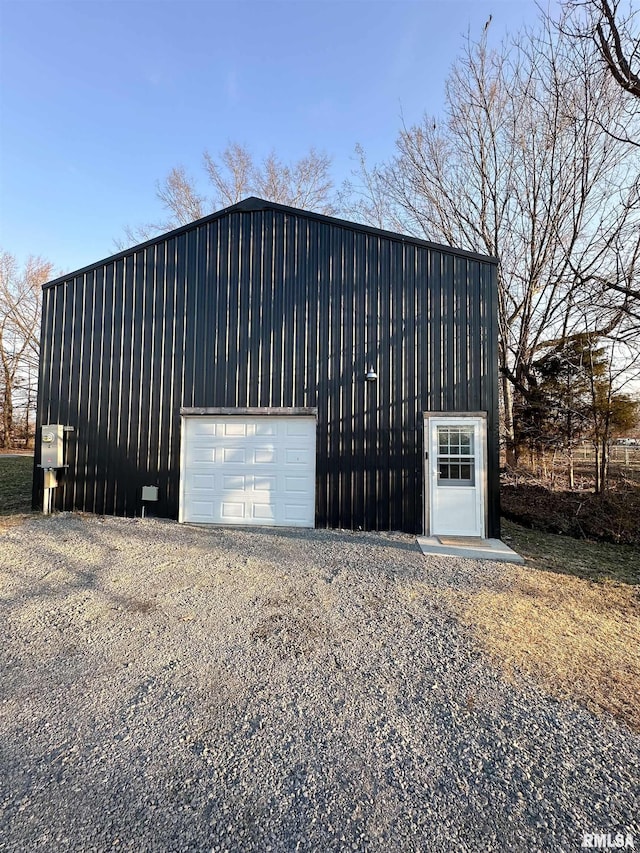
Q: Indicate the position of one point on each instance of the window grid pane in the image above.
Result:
(456, 458)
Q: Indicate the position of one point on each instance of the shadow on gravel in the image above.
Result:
(322, 536)
(68, 573)
(69, 570)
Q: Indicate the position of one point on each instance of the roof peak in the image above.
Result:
(254, 204)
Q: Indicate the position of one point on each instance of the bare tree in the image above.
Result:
(20, 302)
(519, 167)
(231, 175)
(178, 195)
(613, 27)
(234, 175)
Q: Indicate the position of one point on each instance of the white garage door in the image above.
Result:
(238, 469)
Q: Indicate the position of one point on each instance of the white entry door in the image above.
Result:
(455, 474)
(239, 469)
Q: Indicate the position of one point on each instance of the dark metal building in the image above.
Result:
(262, 310)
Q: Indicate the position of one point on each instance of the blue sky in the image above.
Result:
(100, 99)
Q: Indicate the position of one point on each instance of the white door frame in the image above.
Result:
(432, 419)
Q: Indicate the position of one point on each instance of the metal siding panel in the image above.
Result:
(277, 309)
(207, 265)
(400, 283)
(191, 339)
(233, 313)
(348, 373)
(459, 335)
(216, 291)
(384, 366)
(358, 520)
(434, 322)
(147, 371)
(322, 400)
(334, 375)
(474, 357)
(266, 307)
(289, 296)
(243, 372)
(103, 373)
(65, 372)
(112, 392)
(85, 319)
(303, 359)
(93, 382)
(172, 371)
(371, 392)
(156, 409)
(195, 271)
(493, 436)
(448, 402)
(136, 412)
(418, 369)
(126, 382)
(74, 326)
(254, 323)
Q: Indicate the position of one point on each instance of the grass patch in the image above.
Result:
(596, 561)
(570, 620)
(578, 639)
(15, 485)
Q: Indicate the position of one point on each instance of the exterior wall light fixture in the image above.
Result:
(371, 375)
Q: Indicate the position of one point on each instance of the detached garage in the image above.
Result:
(272, 366)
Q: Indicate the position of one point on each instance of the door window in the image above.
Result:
(456, 456)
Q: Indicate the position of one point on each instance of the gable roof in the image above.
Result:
(253, 203)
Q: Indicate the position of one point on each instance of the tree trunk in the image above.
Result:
(507, 401)
(570, 472)
(604, 466)
(27, 412)
(7, 411)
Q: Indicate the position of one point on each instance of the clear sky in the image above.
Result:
(100, 99)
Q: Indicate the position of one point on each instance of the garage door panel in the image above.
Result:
(233, 456)
(248, 470)
(297, 485)
(203, 481)
(202, 508)
(294, 512)
(265, 428)
(265, 456)
(202, 428)
(233, 510)
(234, 482)
(296, 456)
(265, 484)
(200, 454)
(234, 428)
(263, 512)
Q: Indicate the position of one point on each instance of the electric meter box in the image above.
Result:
(52, 446)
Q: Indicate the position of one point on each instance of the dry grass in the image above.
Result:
(15, 485)
(579, 639)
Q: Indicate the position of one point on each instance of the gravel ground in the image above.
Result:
(168, 688)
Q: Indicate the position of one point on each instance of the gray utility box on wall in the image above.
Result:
(52, 446)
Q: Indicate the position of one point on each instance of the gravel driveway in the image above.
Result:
(170, 688)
